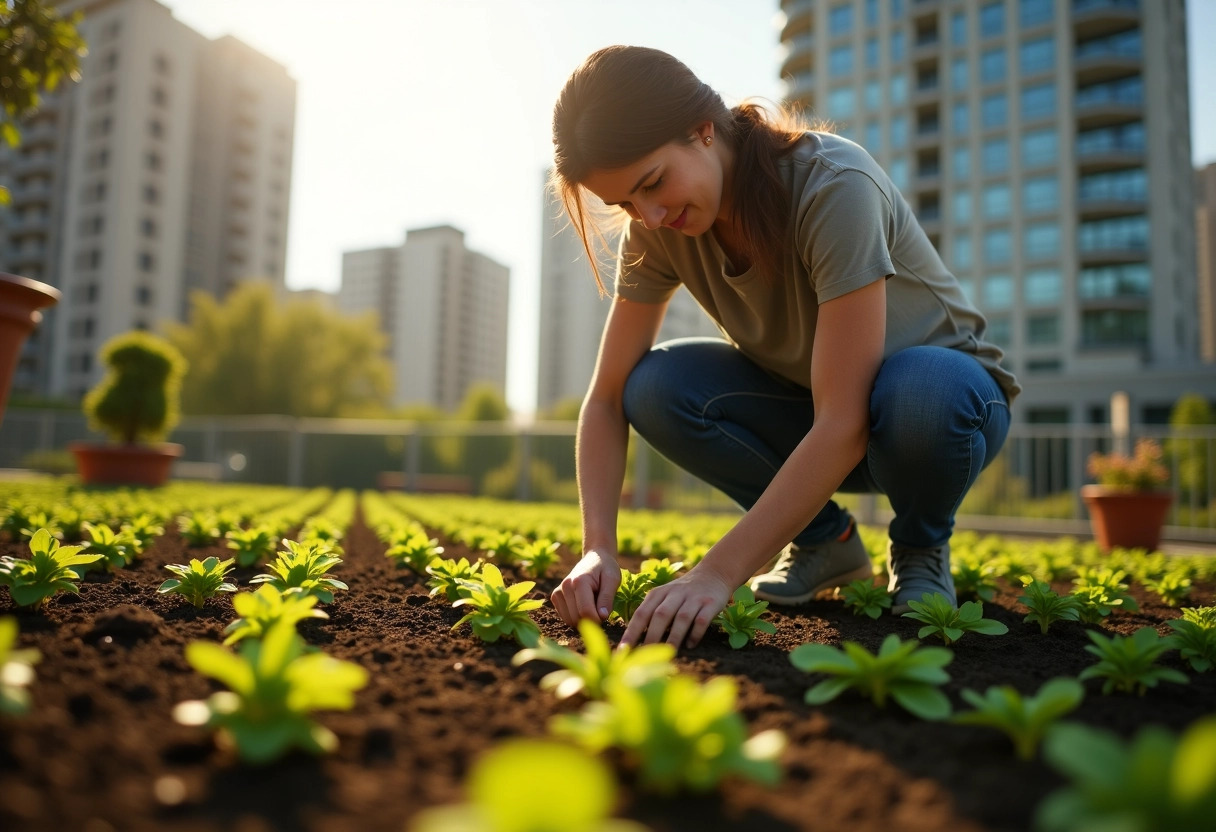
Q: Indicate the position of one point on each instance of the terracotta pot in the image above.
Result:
(144, 465)
(1127, 519)
(20, 300)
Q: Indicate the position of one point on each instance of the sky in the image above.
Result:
(413, 113)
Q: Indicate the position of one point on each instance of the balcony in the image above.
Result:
(1108, 58)
(925, 45)
(1094, 18)
(800, 56)
(1114, 254)
(799, 18)
(1103, 206)
(1111, 103)
(25, 164)
(31, 195)
(800, 88)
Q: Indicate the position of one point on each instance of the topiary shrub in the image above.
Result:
(139, 397)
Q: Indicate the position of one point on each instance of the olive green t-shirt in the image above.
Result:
(850, 226)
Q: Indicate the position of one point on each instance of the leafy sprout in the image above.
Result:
(903, 670)
(253, 545)
(1194, 642)
(535, 557)
(942, 619)
(302, 567)
(47, 571)
(1173, 587)
(199, 580)
(864, 597)
(630, 594)
(740, 619)
(415, 551)
(973, 580)
(590, 674)
(1101, 590)
(141, 532)
(1025, 719)
(116, 550)
(262, 609)
(449, 576)
(1046, 607)
(498, 610)
(198, 529)
(1128, 663)
(16, 671)
(660, 570)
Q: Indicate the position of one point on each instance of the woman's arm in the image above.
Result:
(848, 351)
(603, 436)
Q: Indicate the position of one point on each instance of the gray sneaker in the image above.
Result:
(801, 573)
(915, 572)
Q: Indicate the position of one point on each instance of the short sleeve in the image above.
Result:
(842, 234)
(643, 270)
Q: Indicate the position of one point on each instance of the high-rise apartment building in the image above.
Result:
(167, 168)
(443, 307)
(572, 313)
(1044, 146)
(1205, 239)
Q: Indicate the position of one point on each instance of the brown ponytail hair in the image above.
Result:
(625, 102)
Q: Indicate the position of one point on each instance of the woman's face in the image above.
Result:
(680, 186)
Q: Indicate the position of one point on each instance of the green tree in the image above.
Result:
(39, 48)
(1190, 454)
(479, 454)
(251, 354)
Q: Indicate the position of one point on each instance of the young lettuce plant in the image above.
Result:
(1100, 591)
(1194, 643)
(677, 732)
(416, 551)
(974, 580)
(904, 670)
(740, 619)
(536, 556)
(16, 671)
(660, 570)
(942, 619)
(498, 610)
(630, 594)
(864, 597)
(252, 546)
(198, 529)
(591, 674)
(1025, 719)
(142, 531)
(273, 685)
(450, 576)
(199, 580)
(47, 571)
(1128, 663)
(1172, 587)
(302, 567)
(116, 550)
(1046, 607)
(261, 610)
(1156, 781)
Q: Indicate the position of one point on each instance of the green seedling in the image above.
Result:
(14, 518)
(416, 552)
(740, 619)
(450, 576)
(70, 522)
(116, 550)
(630, 594)
(42, 520)
(1155, 782)
(1100, 592)
(498, 610)
(261, 610)
(1128, 663)
(199, 580)
(142, 531)
(677, 732)
(1173, 587)
(321, 530)
(198, 529)
(47, 571)
(536, 556)
(1046, 607)
(253, 545)
(1194, 642)
(16, 671)
(1205, 617)
(972, 580)
(1024, 719)
(302, 567)
(273, 686)
(904, 670)
(226, 521)
(579, 793)
(864, 597)
(942, 619)
(660, 570)
(499, 546)
(591, 674)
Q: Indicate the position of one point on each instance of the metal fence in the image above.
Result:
(1032, 486)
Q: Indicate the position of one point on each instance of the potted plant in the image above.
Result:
(1128, 505)
(20, 300)
(136, 404)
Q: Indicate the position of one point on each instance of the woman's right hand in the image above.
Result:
(589, 589)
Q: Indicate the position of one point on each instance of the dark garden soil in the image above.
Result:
(99, 750)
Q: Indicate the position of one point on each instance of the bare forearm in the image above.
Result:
(603, 437)
(800, 489)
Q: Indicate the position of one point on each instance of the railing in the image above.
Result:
(1032, 486)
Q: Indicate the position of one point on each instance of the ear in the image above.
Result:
(702, 131)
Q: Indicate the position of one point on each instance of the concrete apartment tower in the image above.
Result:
(1044, 146)
(572, 313)
(1205, 230)
(444, 309)
(166, 169)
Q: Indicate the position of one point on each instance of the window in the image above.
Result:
(1040, 195)
(151, 194)
(998, 246)
(156, 129)
(998, 291)
(994, 111)
(897, 9)
(840, 61)
(1122, 185)
(995, 158)
(898, 171)
(161, 64)
(871, 12)
(871, 53)
(147, 262)
(841, 103)
(1042, 241)
(958, 28)
(1042, 287)
(1124, 138)
(992, 66)
(1034, 12)
(1042, 330)
(152, 160)
(899, 132)
(1114, 328)
(147, 227)
(1039, 147)
(159, 97)
(92, 292)
(897, 46)
(110, 62)
(998, 201)
(1119, 233)
(1044, 365)
(143, 295)
(961, 163)
(998, 332)
(959, 118)
(840, 20)
(962, 253)
(992, 20)
(962, 206)
(1038, 55)
(959, 77)
(899, 88)
(1130, 280)
(873, 137)
(1039, 102)
(873, 95)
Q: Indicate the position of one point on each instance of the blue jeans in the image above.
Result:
(937, 418)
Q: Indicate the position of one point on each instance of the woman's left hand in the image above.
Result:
(682, 609)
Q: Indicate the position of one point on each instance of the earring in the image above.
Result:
(708, 140)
